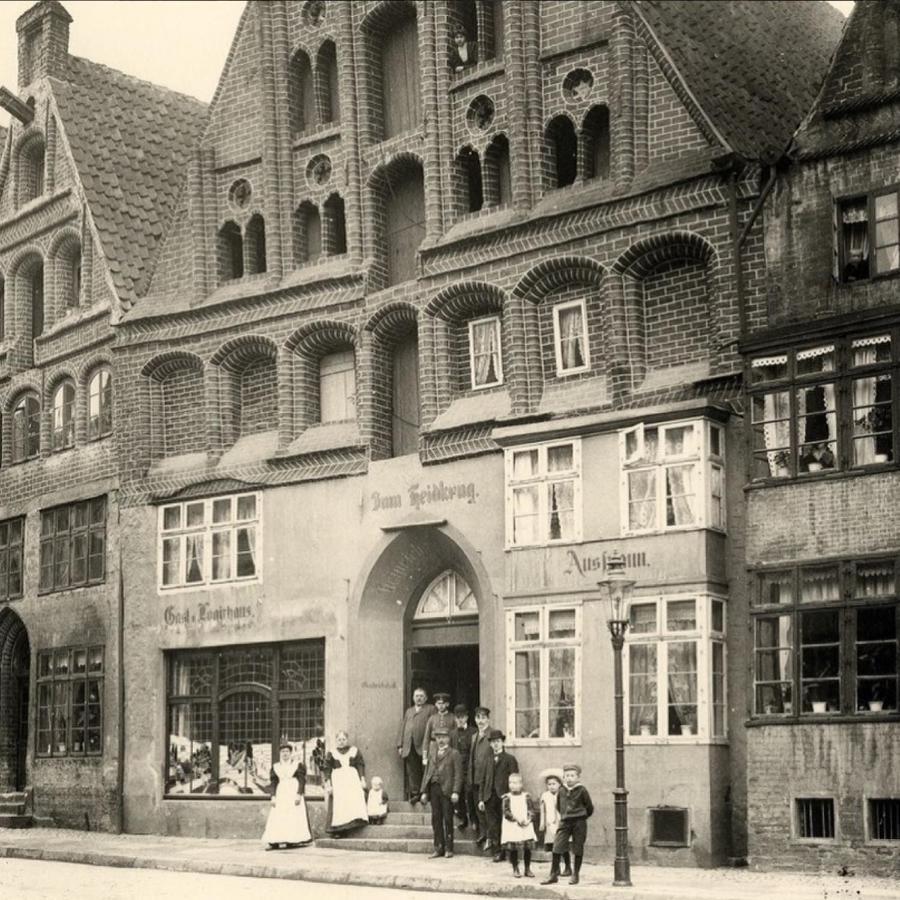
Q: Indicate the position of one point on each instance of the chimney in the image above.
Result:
(43, 41)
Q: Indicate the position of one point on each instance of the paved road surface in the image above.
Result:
(22, 879)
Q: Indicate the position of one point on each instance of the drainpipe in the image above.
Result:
(120, 756)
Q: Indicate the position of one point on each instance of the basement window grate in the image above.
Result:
(884, 819)
(815, 818)
(668, 827)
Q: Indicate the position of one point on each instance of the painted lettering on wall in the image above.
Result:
(424, 495)
(581, 565)
(207, 614)
(380, 685)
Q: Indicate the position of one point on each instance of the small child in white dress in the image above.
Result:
(518, 825)
(377, 802)
(549, 821)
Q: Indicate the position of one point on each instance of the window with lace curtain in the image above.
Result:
(867, 242)
(675, 659)
(800, 399)
(543, 494)
(826, 639)
(570, 338)
(672, 476)
(485, 358)
(212, 541)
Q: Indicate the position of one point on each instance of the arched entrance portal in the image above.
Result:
(423, 611)
(15, 661)
(442, 640)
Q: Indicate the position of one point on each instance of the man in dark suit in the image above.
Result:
(441, 718)
(441, 787)
(410, 741)
(493, 786)
(461, 735)
(480, 760)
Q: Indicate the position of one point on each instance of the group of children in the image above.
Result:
(561, 816)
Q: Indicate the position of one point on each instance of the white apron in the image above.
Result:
(287, 822)
(551, 816)
(375, 804)
(347, 797)
(513, 832)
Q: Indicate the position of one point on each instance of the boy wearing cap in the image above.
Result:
(442, 718)
(494, 784)
(575, 807)
(441, 786)
(461, 740)
(480, 759)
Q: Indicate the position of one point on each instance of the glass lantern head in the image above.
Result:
(616, 588)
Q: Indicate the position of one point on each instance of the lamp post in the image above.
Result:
(616, 592)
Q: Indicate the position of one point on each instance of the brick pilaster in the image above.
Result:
(622, 112)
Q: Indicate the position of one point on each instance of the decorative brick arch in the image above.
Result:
(391, 318)
(173, 387)
(18, 324)
(62, 254)
(637, 289)
(465, 299)
(58, 377)
(15, 662)
(556, 273)
(85, 373)
(23, 388)
(28, 143)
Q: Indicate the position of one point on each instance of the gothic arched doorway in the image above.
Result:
(15, 667)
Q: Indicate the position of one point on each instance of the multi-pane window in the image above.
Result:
(73, 545)
(570, 338)
(100, 402)
(544, 674)
(26, 428)
(672, 476)
(675, 652)
(229, 709)
(867, 242)
(337, 387)
(70, 702)
(826, 639)
(12, 538)
(210, 541)
(543, 494)
(485, 358)
(824, 408)
(64, 416)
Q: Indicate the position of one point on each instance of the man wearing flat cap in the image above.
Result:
(441, 718)
(411, 741)
(494, 784)
(480, 760)
(441, 787)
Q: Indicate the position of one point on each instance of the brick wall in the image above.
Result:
(182, 400)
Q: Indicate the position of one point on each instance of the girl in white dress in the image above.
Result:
(345, 775)
(549, 822)
(518, 828)
(287, 824)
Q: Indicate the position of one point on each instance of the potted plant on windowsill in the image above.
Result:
(687, 730)
(782, 460)
(876, 420)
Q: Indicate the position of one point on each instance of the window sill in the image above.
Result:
(543, 742)
(474, 74)
(169, 590)
(774, 481)
(675, 741)
(862, 718)
(319, 133)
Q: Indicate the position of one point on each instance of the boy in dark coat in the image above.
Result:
(441, 786)
(494, 784)
(480, 760)
(575, 807)
(461, 739)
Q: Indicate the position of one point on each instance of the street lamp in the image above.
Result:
(616, 594)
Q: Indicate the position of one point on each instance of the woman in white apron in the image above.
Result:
(345, 772)
(287, 823)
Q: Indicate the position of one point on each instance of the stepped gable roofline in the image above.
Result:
(130, 141)
(753, 69)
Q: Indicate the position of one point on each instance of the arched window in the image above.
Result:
(67, 266)
(256, 245)
(328, 84)
(100, 404)
(335, 226)
(401, 100)
(595, 134)
(26, 428)
(561, 146)
(337, 387)
(301, 94)
(447, 597)
(63, 435)
(230, 252)
(469, 164)
(307, 233)
(497, 177)
(481, 23)
(36, 290)
(405, 416)
(31, 169)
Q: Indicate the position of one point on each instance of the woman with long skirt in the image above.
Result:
(288, 823)
(345, 774)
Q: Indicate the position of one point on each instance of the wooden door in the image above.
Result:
(400, 79)
(405, 229)
(21, 671)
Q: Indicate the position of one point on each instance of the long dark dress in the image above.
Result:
(347, 800)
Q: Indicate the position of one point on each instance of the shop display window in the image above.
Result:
(228, 709)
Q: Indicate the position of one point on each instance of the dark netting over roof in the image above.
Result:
(131, 141)
(755, 68)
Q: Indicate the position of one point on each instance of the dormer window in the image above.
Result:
(867, 242)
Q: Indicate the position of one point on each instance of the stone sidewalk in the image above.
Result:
(468, 875)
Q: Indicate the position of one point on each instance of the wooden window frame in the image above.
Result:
(104, 407)
(9, 548)
(498, 332)
(25, 413)
(91, 532)
(839, 250)
(62, 412)
(558, 309)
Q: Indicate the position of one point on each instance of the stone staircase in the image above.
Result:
(14, 811)
(407, 829)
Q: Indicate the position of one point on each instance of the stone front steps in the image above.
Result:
(14, 812)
